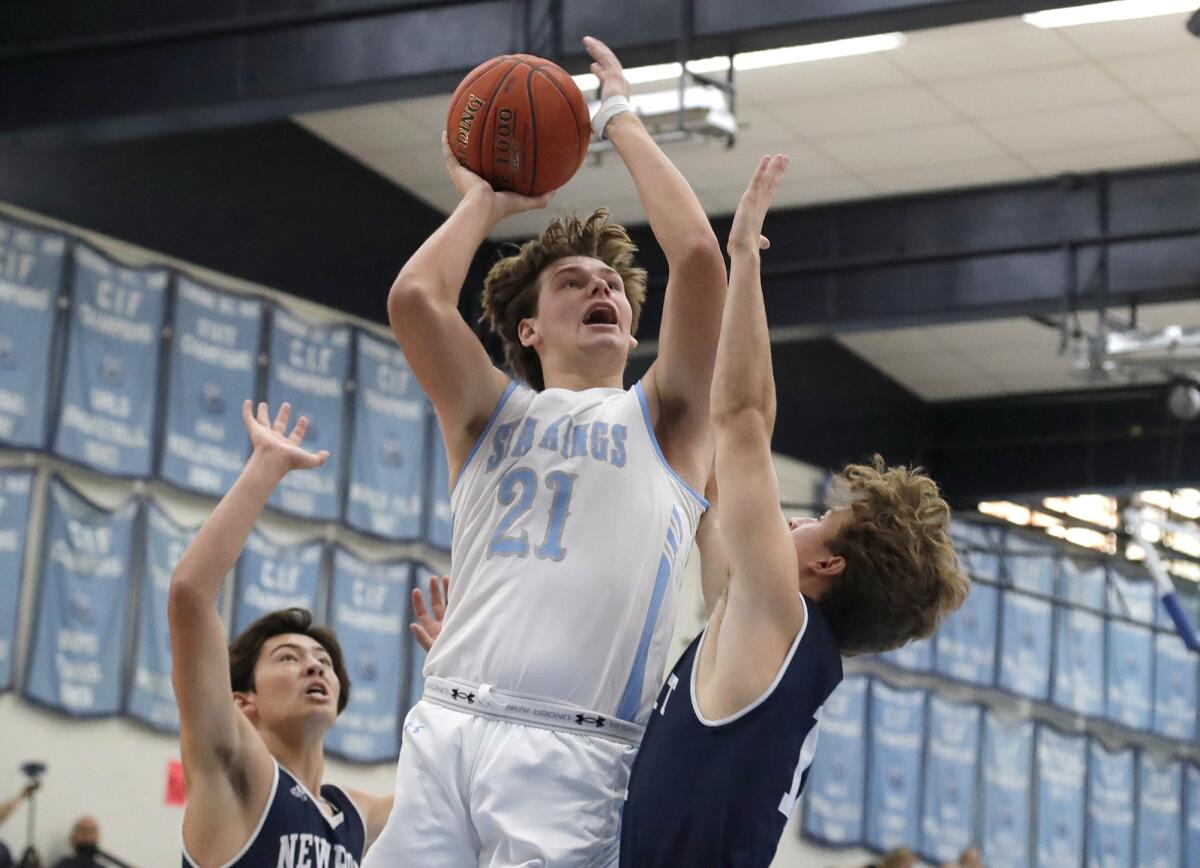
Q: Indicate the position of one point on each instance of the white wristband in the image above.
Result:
(609, 109)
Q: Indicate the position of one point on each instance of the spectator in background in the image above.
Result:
(972, 857)
(85, 842)
(899, 857)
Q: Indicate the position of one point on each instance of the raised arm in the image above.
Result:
(448, 360)
(223, 757)
(714, 563)
(763, 598)
(679, 381)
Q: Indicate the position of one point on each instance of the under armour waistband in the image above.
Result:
(487, 701)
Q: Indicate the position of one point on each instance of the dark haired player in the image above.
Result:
(253, 758)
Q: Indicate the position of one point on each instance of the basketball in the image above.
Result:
(521, 123)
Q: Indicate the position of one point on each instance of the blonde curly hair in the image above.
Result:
(511, 288)
(902, 576)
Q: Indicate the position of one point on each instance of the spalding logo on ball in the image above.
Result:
(520, 123)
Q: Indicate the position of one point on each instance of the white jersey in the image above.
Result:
(570, 537)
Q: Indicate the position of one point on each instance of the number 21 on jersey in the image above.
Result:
(516, 491)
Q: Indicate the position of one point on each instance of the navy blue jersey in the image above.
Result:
(718, 793)
(294, 832)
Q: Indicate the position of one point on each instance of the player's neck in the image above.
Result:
(303, 757)
(577, 381)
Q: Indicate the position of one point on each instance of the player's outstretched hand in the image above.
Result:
(270, 440)
(503, 202)
(746, 232)
(607, 68)
(427, 628)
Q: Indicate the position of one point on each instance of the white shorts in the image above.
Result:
(490, 788)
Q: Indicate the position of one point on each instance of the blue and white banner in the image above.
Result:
(951, 761)
(16, 492)
(213, 369)
(151, 696)
(1079, 638)
(79, 633)
(917, 655)
(388, 459)
(1191, 810)
(835, 794)
(273, 576)
(309, 364)
(1006, 773)
(1176, 672)
(369, 611)
(1061, 777)
(1027, 622)
(1160, 822)
(109, 405)
(31, 266)
(966, 642)
(897, 735)
(978, 548)
(1111, 807)
(440, 524)
(1130, 653)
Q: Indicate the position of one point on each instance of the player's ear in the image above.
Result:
(246, 703)
(527, 332)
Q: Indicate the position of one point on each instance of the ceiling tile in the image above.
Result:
(1122, 155)
(881, 344)
(820, 77)
(427, 111)
(924, 146)
(957, 388)
(997, 334)
(1182, 110)
(1160, 73)
(711, 165)
(364, 128)
(1140, 36)
(415, 164)
(757, 124)
(865, 111)
(1031, 90)
(944, 176)
(1157, 316)
(979, 48)
(1076, 128)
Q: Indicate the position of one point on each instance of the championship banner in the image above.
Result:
(213, 368)
(835, 792)
(1176, 672)
(109, 403)
(977, 546)
(271, 576)
(1159, 821)
(16, 492)
(31, 267)
(1078, 638)
(1026, 622)
(966, 642)
(916, 655)
(948, 811)
(897, 733)
(388, 458)
(308, 367)
(1111, 807)
(1191, 810)
(151, 696)
(369, 610)
(1061, 774)
(1006, 773)
(440, 522)
(79, 632)
(1130, 652)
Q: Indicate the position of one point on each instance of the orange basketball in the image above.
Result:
(521, 123)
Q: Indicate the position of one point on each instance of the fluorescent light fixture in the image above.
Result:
(1120, 10)
(756, 59)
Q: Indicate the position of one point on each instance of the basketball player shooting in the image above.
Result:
(734, 729)
(253, 756)
(575, 502)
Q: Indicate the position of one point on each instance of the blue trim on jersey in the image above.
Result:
(487, 429)
(631, 698)
(641, 393)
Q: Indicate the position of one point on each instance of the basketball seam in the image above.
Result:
(566, 97)
(533, 140)
(488, 115)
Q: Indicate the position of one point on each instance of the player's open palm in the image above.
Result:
(746, 232)
(272, 440)
(607, 68)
